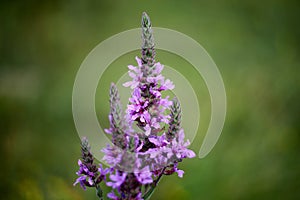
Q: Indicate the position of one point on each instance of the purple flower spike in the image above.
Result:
(147, 142)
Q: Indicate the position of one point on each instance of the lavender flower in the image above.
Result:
(139, 159)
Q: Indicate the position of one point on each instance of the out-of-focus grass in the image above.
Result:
(254, 43)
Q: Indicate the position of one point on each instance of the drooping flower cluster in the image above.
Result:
(138, 158)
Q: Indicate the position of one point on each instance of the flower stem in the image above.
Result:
(99, 191)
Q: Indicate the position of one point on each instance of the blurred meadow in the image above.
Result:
(255, 44)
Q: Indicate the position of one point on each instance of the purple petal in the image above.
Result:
(139, 61)
(158, 68)
(144, 176)
(112, 196)
(131, 67)
(180, 173)
(154, 141)
(190, 153)
(79, 162)
(131, 74)
(81, 180)
(117, 180)
(127, 84)
(147, 130)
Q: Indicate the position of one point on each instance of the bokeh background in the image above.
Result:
(256, 45)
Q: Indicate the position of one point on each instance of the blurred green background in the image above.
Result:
(256, 45)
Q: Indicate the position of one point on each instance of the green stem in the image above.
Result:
(99, 192)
